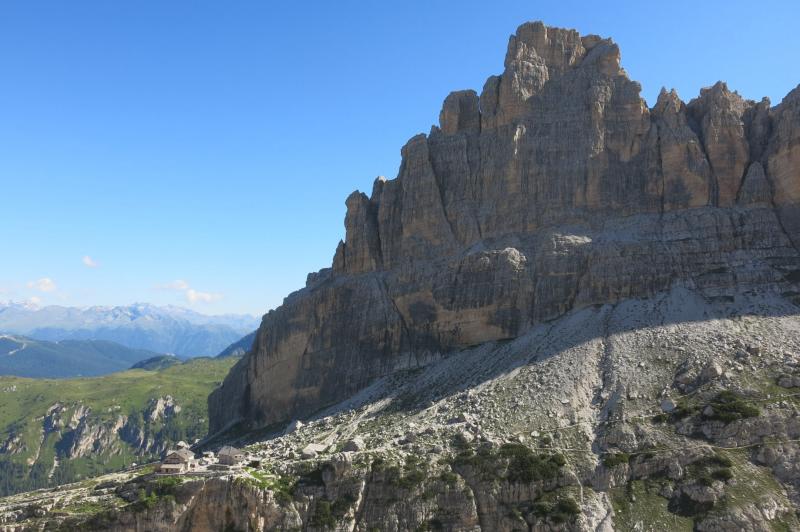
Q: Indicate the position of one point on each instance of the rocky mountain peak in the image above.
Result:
(555, 189)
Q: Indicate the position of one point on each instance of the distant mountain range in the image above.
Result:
(25, 357)
(167, 329)
(240, 347)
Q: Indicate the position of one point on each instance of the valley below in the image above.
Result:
(57, 431)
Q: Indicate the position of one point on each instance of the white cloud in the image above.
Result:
(89, 262)
(45, 284)
(177, 284)
(193, 296)
(34, 300)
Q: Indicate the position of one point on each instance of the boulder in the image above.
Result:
(312, 450)
(293, 427)
(354, 445)
(667, 405)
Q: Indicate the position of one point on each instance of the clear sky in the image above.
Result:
(199, 153)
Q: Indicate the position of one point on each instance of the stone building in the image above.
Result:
(230, 456)
(179, 461)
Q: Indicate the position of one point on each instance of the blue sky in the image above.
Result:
(199, 153)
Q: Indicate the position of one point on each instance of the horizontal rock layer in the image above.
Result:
(556, 188)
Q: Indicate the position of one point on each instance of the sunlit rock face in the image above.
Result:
(556, 188)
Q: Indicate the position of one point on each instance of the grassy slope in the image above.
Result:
(24, 402)
(188, 383)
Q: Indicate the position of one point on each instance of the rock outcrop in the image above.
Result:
(557, 188)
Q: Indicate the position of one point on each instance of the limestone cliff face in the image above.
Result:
(556, 188)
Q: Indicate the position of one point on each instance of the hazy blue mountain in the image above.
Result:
(140, 326)
(239, 347)
(157, 363)
(26, 357)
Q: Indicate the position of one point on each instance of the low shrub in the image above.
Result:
(728, 406)
(688, 507)
(525, 466)
(521, 463)
(323, 515)
(566, 510)
(449, 478)
(563, 510)
(161, 489)
(283, 488)
(682, 410)
(724, 474)
(705, 480)
(710, 468)
(342, 505)
(413, 473)
(615, 459)
(460, 442)
(660, 418)
(720, 460)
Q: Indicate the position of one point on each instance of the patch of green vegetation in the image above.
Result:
(754, 484)
(685, 506)
(683, 410)
(145, 501)
(639, 502)
(460, 442)
(162, 489)
(413, 472)
(615, 459)
(718, 459)
(724, 474)
(482, 463)
(282, 486)
(518, 461)
(516, 514)
(88, 507)
(710, 468)
(525, 466)
(729, 406)
(323, 516)
(327, 513)
(449, 478)
(745, 484)
(557, 507)
(342, 505)
(660, 418)
(263, 480)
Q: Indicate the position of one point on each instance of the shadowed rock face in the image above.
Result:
(556, 188)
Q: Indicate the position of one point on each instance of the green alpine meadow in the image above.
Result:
(59, 431)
